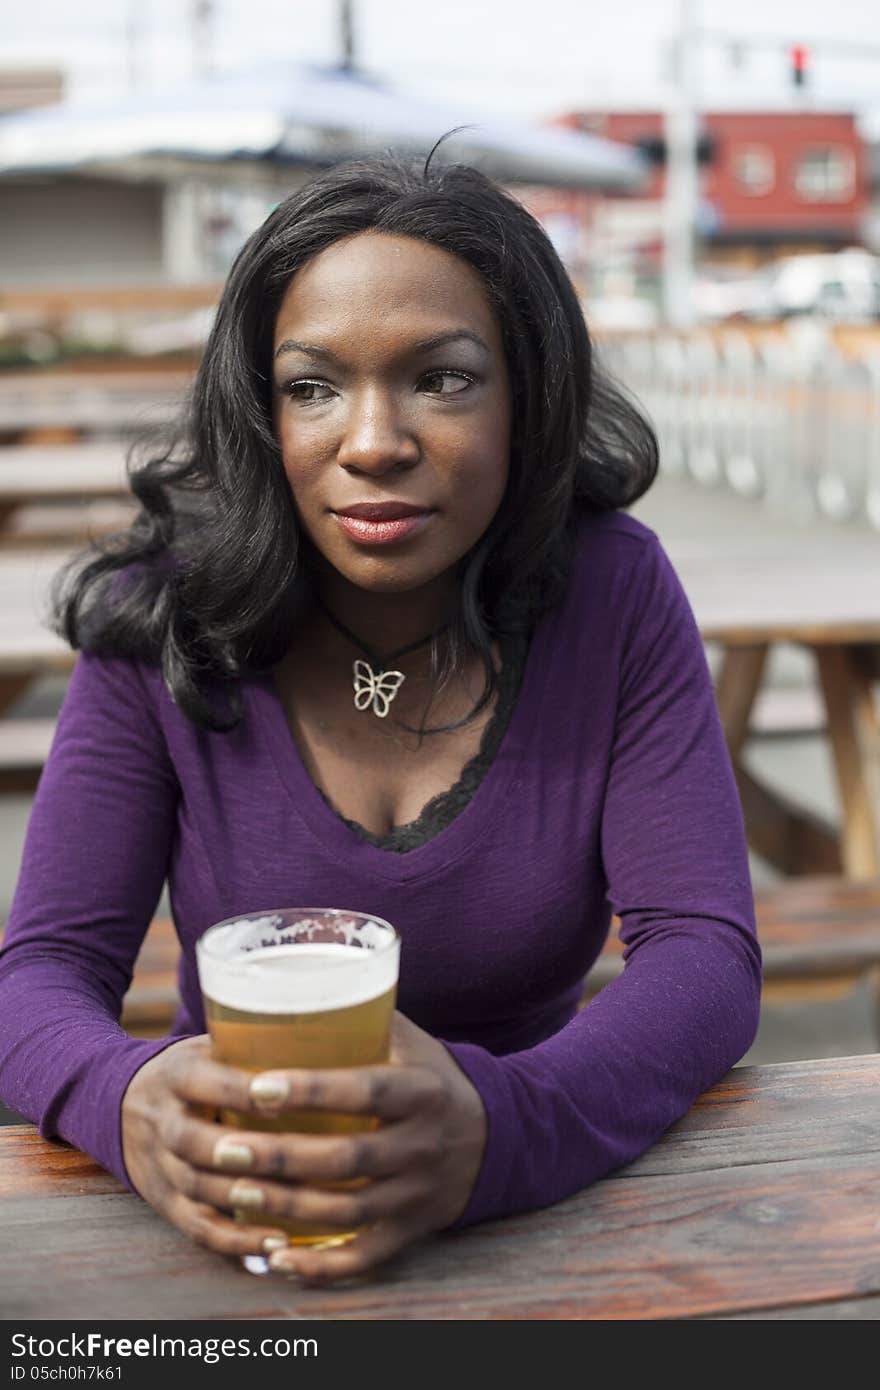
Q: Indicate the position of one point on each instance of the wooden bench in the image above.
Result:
(28, 650)
(101, 402)
(819, 936)
(152, 999)
(24, 748)
(62, 494)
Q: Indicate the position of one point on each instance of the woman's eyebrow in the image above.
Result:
(452, 335)
(424, 345)
(307, 349)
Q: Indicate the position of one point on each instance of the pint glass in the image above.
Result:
(300, 988)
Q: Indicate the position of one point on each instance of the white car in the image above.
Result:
(842, 286)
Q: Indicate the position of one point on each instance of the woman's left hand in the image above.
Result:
(421, 1162)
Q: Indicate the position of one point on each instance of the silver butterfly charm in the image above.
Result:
(375, 689)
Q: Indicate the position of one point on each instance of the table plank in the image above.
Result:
(739, 1239)
(27, 646)
(105, 401)
(756, 1115)
(763, 1200)
(753, 577)
(860, 1309)
(56, 472)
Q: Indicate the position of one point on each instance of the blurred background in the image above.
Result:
(709, 173)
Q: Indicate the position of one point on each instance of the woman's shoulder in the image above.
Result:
(111, 683)
(613, 532)
(619, 569)
(613, 549)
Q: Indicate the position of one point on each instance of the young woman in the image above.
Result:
(382, 638)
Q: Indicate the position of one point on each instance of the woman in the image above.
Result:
(380, 638)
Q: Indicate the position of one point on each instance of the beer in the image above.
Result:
(322, 998)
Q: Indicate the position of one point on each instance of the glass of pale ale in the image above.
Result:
(299, 987)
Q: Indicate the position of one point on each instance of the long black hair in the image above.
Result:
(211, 576)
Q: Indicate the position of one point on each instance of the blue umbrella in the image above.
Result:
(286, 114)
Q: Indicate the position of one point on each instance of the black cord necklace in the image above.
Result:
(375, 686)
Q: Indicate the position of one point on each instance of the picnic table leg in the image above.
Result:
(855, 744)
(11, 686)
(737, 685)
(791, 839)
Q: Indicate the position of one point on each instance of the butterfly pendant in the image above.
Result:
(376, 689)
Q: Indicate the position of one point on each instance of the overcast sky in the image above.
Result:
(509, 56)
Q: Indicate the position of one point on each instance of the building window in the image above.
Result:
(825, 174)
(754, 169)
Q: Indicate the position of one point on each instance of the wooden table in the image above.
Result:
(763, 1202)
(61, 472)
(748, 598)
(52, 494)
(103, 401)
(28, 649)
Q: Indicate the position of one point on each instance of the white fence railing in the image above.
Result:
(793, 422)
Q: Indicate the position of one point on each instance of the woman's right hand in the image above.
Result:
(153, 1112)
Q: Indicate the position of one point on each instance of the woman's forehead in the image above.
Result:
(377, 273)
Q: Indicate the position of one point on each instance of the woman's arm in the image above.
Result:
(685, 1009)
(94, 862)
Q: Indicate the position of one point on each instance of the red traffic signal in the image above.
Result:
(800, 60)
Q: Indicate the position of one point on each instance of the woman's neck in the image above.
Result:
(383, 623)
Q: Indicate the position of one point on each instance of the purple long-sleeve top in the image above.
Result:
(611, 791)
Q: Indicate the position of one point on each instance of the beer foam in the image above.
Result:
(292, 979)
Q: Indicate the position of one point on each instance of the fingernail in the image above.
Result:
(246, 1194)
(269, 1088)
(273, 1243)
(282, 1262)
(229, 1153)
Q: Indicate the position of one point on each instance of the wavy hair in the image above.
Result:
(212, 574)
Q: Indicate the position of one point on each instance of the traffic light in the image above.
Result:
(800, 60)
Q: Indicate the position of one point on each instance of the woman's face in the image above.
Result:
(391, 390)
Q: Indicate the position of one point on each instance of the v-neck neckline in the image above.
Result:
(452, 840)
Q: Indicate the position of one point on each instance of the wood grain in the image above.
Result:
(736, 687)
(762, 1201)
(31, 1166)
(852, 728)
(853, 1309)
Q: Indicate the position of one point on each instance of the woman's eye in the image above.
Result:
(308, 391)
(442, 383)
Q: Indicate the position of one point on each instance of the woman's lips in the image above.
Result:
(382, 532)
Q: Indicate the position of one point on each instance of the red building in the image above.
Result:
(771, 182)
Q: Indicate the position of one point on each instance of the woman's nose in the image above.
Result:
(377, 437)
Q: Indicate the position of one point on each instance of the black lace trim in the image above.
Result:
(443, 808)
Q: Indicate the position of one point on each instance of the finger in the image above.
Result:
(209, 1227)
(263, 1200)
(367, 1249)
(206, 1085)
(288, 1157)
(386, 1092)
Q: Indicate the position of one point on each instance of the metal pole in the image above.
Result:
(201, 24)
(682, 191)
(346, 35)
(132, 38)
